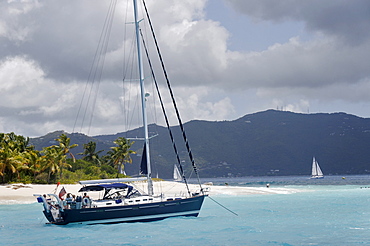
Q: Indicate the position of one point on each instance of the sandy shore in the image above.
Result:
(23, 193)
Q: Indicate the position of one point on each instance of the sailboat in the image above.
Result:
(121, 201)
(316, 170)
(176, 174)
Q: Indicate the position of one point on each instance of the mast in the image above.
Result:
(143, 102)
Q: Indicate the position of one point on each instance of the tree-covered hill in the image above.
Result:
(264, 143)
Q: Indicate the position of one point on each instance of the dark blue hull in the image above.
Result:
(131, 213)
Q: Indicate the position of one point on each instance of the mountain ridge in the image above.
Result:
(269, 142)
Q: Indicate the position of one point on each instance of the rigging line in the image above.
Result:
(102, 42)
(124, 70)
(173, 99)
(103, 55)
(222, 206)
(92, 74)
(165, 115)
(153, 113)
(131, 115)
(130, 62)
(92, 68)
(122, 101)
(127, 63)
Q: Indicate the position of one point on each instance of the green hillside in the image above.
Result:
(265, 143)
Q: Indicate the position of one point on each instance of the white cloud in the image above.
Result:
(20, 78)
(12, 24)
(44, 64)
(23, 6)
(198, 103)
(345, 20)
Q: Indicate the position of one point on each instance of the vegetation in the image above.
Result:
(120, 154)
(21, 162)
(264, 143)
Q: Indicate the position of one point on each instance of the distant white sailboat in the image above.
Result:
(176, 174)
(316, 170)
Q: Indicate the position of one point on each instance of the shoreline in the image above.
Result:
(23, 193)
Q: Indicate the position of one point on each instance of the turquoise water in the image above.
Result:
(318, 215)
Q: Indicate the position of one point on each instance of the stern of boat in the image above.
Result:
(53, 207)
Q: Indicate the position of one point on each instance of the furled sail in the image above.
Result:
(143, 166)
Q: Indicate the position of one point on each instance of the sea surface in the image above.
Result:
(330, 211)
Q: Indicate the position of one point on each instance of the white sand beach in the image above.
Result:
(23, 193)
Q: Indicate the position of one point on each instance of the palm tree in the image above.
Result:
(64, 149)
(90, 153)
(121, 153)
(64, 145)
(21, 143)
(13, 149)
(34, 161)
(54, 160)
(10, 163)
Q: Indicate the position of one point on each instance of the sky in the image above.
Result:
(225, 59)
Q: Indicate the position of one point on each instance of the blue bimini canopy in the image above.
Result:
(101, 187)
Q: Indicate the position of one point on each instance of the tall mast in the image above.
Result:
(143, 102)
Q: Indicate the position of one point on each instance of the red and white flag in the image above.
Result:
(62, 192)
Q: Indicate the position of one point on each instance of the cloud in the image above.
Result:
(330, 66)
(347, 20)
(195, 103)
(316, 63)
(20, 78)
(12, 26)
(46, 51)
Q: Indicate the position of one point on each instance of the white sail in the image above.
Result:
(176, 174)
(316, 170)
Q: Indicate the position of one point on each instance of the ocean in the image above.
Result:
(329, 211)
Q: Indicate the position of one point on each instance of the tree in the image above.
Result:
(120, 154)
(90, 153)
(61, 152)
(64, 145)
(34, 161)
(12, 148)
(56, 156)
(54, 160)
(10, 163)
